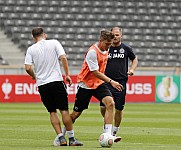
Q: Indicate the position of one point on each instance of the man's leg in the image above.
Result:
(55, 121)
(109, 113)
(117, 120)
(102, 110)
(74, 115)
(68, 123)
(83, 97)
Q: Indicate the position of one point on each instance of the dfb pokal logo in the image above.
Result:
(167, 90)
(6, 88)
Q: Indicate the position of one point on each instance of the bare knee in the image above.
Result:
(53, 115)
(109, 102)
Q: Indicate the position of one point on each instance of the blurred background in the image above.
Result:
(152, 28)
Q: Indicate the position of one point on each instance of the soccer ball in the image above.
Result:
(106, 140)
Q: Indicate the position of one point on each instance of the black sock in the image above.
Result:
(71, 139)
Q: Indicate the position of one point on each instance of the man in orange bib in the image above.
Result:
(91, 81)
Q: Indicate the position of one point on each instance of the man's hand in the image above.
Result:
(130, 72)
(116, 85)
(69, 80)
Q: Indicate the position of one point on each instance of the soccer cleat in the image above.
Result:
(56, 142)
(74, 142)
(114, 133)
(60, 141)
(117, 138)
(63, 141)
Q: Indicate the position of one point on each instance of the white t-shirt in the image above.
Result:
(44, 56)
(91, 59)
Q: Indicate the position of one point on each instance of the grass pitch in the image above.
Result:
(144, 127)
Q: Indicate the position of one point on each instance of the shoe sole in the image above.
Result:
(63, 144)
(76, 145)
(55, 144)
(117, 139)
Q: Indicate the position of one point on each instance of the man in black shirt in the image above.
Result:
(117, 69)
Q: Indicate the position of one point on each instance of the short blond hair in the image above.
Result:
(117, 28)
(106, 35)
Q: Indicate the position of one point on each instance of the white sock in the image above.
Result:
(70, 133)
(115, 130)
(64, 131)
(58, 135)
(108, 128)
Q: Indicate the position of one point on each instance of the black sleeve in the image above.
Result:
(131, 54)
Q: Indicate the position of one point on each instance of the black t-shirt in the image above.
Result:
(117, 65)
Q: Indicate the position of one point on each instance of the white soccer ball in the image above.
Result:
(106, 140)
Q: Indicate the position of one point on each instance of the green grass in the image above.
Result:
(144, 127)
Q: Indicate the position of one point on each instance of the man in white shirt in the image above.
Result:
(45, 55)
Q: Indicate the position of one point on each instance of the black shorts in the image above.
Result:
(119, 96)
(54, 96)
(83, 96)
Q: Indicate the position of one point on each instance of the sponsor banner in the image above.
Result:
(18, 88)
(168, 89)
(140, 89)
(21, 88)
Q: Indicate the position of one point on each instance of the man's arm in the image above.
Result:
(91, 59)
(133, 66)
(30, 71)
(64, 61)
(107, 79)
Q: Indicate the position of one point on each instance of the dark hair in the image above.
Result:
(37, 31)
(106, 35)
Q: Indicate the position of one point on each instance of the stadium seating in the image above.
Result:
(2, 61)
(152, 28)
